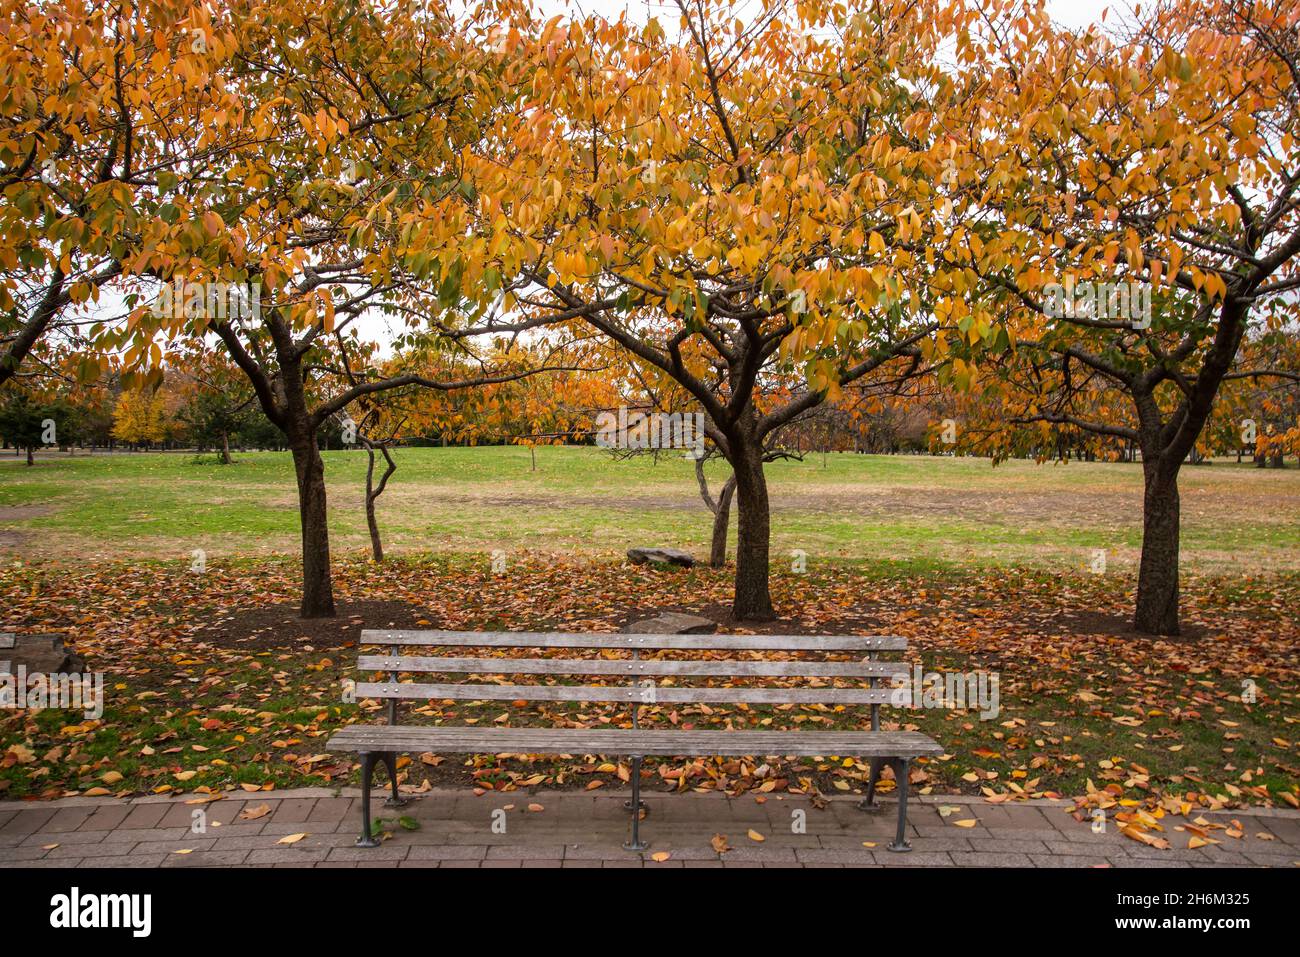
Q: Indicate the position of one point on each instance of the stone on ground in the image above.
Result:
(40, 654)
(669, 556)
(671, 623)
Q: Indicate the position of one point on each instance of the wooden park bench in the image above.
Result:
(725, 677)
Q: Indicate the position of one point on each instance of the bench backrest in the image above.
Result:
(840, 688)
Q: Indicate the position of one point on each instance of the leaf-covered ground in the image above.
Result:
(212, 683)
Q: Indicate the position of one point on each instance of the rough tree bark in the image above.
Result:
(1157, 601)
(317, 585)
(753, 597)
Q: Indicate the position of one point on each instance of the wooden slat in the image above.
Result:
(625, 693)
(547, 639)
(604, 666)
(621, 741)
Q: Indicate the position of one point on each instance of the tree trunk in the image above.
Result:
(373, 493)
(721, 522)
(753, 599)
(376, 545)
(317, 587)
(1157, 597)
(225, 448)
(30, 459)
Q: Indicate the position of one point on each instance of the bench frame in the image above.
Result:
(368, 743)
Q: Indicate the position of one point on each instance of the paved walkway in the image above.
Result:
(578, 829)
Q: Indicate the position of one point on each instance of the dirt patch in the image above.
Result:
(22, 513)
(1084, 622)
(278, 627)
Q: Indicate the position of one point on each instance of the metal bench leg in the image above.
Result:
(367, 838)
(868, 803)
(390, 760)
(636, 844)
(901, 768)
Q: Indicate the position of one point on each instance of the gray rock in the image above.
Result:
(672, 623)
(670, 556)
(42, 654)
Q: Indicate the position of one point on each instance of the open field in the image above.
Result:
(580, 501)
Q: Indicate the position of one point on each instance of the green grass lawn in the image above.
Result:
(580, 500)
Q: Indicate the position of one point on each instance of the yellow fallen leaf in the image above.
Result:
(868, 843)
(719, 842)
(111, 777)
(755, 836)
(291, 839)
(253, 813)
(660, 856)
(184, 775)
(184, 850)
(969, 822)
(97, 792)
(1145, 838)
(535, 808)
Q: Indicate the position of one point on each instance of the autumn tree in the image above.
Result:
(140, 417)
(731, 208)
(1152, 165)
(293, 227)
(101, 125)
(215, 400)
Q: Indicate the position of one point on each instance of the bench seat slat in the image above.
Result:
(628, 693)
(547, 639)
(621, 741)
(627, 666)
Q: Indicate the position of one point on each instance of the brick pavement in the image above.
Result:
(579, 829)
